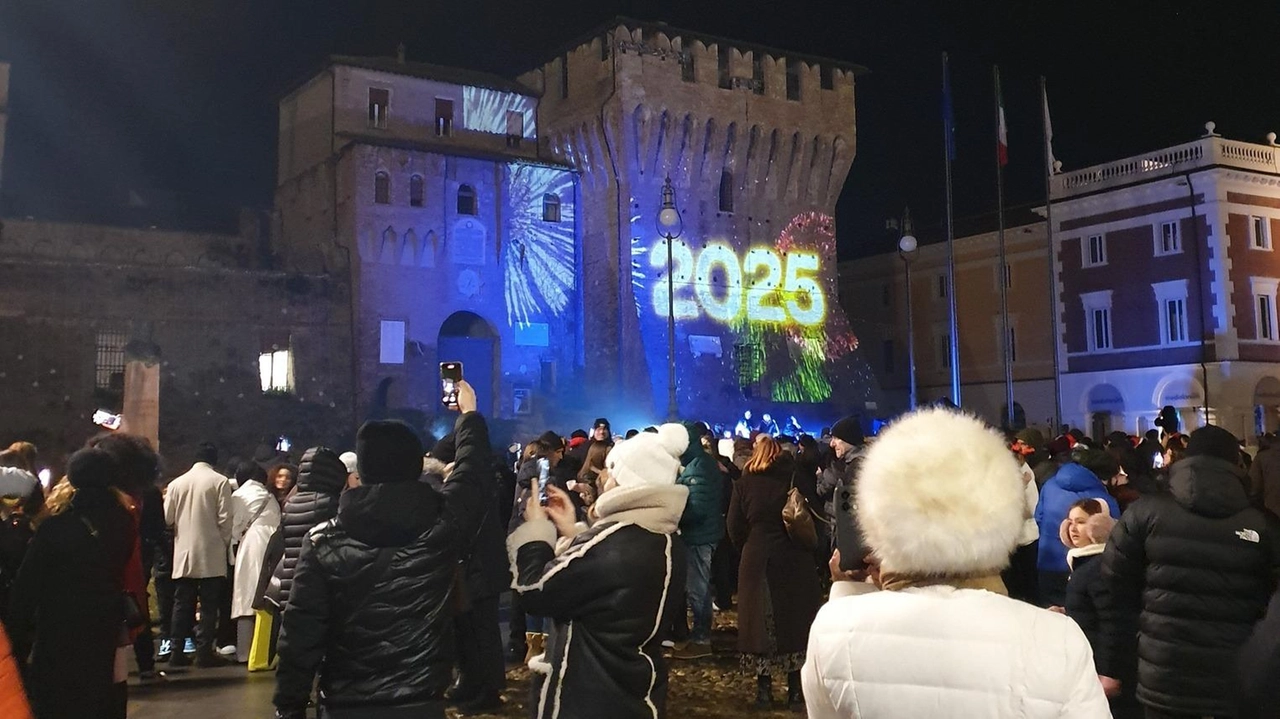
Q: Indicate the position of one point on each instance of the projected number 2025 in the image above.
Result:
(765, 286)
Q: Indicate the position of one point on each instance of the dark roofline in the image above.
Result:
(704, 38)
(440, 148)
(424, 71)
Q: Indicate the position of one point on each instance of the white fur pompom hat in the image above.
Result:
(939, 494)
(649, 458)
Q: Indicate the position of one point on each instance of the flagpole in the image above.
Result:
(1053, 275)
(953, 328)
(1001, 158)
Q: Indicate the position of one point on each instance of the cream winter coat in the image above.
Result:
(255, 517)
(951, 507)
(198, 507)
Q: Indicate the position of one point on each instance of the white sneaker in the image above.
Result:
(228, 651)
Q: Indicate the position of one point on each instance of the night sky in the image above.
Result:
(109, 95)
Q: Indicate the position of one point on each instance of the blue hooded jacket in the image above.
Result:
(1071, 484)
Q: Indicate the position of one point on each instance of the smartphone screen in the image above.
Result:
(450, 375)
(544, 474)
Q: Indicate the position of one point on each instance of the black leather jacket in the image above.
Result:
(371, 607)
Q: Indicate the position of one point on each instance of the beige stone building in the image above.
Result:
(873, 292)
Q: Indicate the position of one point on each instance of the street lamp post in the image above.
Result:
(670, 225)
(907, 247)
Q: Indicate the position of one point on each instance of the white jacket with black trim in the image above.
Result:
(606, 593)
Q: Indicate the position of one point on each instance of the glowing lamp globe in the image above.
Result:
(908, 244)
(669, 219)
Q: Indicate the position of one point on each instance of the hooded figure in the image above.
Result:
(1199, 551)
(607, 590)
(942, 640)
(321, 477)
(374, 589)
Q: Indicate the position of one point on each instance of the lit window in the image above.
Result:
(379, 102)
(466, 200)
(275, 370)
(415, 191)
(1095, 251)
(382, 188)
(726, 191)
(1259, 233)
(444, 117)
(550, 208)
(391, 349)
(109, 365)
(1167, 240)
(1097, 314)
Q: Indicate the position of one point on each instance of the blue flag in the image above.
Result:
(948, 114)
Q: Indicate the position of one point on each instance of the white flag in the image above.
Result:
(1048, 132)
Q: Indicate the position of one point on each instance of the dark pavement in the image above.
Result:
(204, 694)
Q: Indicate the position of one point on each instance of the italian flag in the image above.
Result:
(1002, 130)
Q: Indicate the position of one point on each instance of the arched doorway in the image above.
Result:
(469, 338)
(1105, 407)
(1266, 405)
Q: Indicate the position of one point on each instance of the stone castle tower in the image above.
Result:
(757, 143)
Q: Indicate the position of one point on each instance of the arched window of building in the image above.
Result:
(382, 188)
(415, 191)
(466, 200)
(726, 191)
(550, 207)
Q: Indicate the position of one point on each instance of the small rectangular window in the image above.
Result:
(687, 67)
(564, 77)
(1013, 344)
(826, 76)
(1175, 321)
(942, 287)
(1168, 242)
(943, 348)
(1266, 317)
(1259, 233)
(886, 295)
(379, 103)
(888, 356)
(275, 369)
(723, 71)
(391, 347)
(1101, 320)
(109, 362)
(1096, 251)
(757, 73)
(1008, 276)
(604, 47)
(444, 117)
(515, 128)
(793, 79)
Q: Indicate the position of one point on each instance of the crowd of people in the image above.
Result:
(1000, 574)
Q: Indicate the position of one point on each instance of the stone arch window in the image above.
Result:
(550, 207)
(726, 191)
(466, 200)
(415, 191)
(382, 188)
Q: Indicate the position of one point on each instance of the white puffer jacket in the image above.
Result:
(943, 653)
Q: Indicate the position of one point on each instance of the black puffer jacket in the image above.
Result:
(606, 593)
(1092, 605)
(1199, 563)
(321, 476)
(379, 632)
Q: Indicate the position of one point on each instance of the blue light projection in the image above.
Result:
(539, 259)
(485, 110)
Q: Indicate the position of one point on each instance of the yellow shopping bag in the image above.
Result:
(262, 656)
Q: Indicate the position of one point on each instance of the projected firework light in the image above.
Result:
(772, 298)
(485, 110)
(538, 261)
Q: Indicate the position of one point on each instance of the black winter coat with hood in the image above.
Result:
(1199, 563)
(1092, 605)
(321, 477)
(372, 603)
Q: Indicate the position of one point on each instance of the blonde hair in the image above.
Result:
(764, 454)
